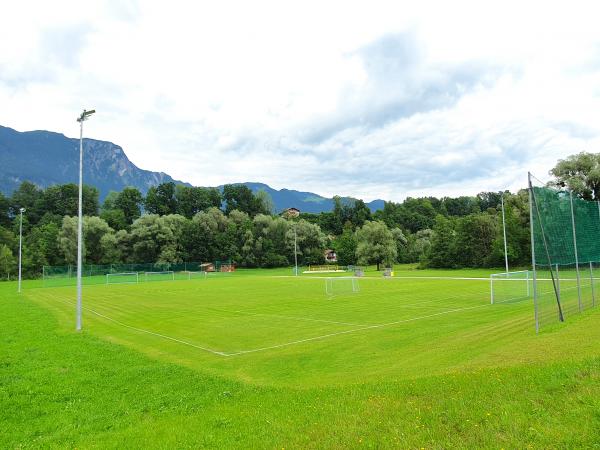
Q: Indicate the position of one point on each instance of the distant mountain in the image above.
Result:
(305, 201)
(46, 158)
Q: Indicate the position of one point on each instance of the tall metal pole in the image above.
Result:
(504, 230)
(576, 253)
(295, 249)
(534, 272)
(21, 210)
(80, 226)
(84, 115)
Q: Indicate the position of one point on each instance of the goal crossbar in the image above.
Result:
(122, 277)
(166, 273)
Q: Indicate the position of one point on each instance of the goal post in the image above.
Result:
(165, 275)
(510, 286)
(122, 278)
(341, 286)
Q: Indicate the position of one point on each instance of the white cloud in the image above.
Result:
(377, 100)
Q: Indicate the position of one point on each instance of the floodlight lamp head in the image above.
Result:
(22, 210)
(85, 115)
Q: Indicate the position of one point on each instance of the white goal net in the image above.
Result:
(341, 286)
(166, 275)
(510, 286)
(124, 277)
(193, 275)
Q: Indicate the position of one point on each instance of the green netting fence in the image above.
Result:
(96, 273)
(565, 233)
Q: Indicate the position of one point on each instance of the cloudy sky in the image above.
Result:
(373, 99)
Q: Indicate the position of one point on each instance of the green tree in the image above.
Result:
(161, 199)
(401, 243)
(475, 235)
(580, 173)
(517, 232)
(63, 200)
(266, 205)
(201, 236)
(27, 196)
(8, 262)
(442, 252)
(129, 201)
(42, 248)
(310, 242)
(271, 247)
(192, 200)
(489, 200)
(94, 228)
(111, 214)
(375, 244)
(4, 211)
(152, 239)
(414, 214)
(345, 246)
(240, 197)
(67, 240)
(461, 206)
(173, 251)
(360, 213)
(111, 251)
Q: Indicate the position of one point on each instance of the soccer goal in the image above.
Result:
(193, 274)
(166, 275)
(341, 285)
(122, 278)
(510, 286)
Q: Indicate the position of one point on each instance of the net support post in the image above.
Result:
(534, 272)
(592, 284)
(557, 282)
(576, 252)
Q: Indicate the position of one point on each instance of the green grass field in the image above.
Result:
(261, 359)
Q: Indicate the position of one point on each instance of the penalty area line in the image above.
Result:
(339, 333)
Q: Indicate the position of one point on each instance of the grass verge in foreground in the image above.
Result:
(74, 390)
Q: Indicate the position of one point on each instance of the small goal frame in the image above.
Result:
(161, 272)
(329, 282)
(123, 274)
(505, 276)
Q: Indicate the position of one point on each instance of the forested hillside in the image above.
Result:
(175, 223)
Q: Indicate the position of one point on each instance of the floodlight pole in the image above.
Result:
(82, 118)
(21, 210)
(504, 230)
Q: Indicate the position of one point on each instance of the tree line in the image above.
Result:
(176, 223)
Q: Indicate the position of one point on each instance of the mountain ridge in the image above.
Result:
(46, 158)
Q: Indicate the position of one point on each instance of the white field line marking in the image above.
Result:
(384, 279)
(164, 336)
(299, 318)
(416, 278)
(286, 344)
(370, 327)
